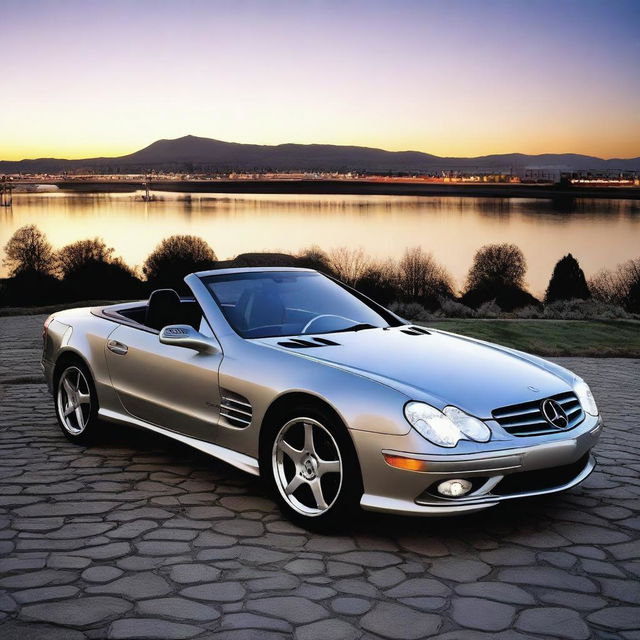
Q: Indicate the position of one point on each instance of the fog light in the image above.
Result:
(454, 488)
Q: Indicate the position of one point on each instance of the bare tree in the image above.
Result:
(349, 264)
(421, 278)
(497, 265)
(28, 250)
(617, 286)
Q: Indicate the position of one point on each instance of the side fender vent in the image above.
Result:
(235, 409)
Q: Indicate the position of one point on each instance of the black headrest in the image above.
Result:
(163, 309)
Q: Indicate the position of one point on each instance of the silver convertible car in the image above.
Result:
(335, 401)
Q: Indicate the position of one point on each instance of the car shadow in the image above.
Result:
(508, 518)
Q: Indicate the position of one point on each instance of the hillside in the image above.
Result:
(192, 152)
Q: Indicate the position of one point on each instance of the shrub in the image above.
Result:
(497, 265)
(29, 251)
(29, 287)
(315, 258)
(584, 310)
(265, 259)
(497, 274)
(506, 297)
(379, 283)
(422, 279)
(633, 297)
(529, 312)
(174, 258)
(567, 282)
(76, 256)
(97, 280)
(410, 311)
(454, 309)
(489, 310)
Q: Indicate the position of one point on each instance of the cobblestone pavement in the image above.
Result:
(143, 538)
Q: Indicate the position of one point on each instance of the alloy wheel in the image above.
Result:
(74, 401)
(307, 466)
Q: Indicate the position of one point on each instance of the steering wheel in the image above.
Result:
(324, 315)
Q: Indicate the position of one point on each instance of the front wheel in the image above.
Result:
(76, 403)
(312, 468)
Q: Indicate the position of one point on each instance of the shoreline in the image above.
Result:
(349, 187)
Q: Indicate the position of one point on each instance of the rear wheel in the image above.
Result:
(76, 403)
(311, 465)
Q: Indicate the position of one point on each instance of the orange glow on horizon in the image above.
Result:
(451, 79)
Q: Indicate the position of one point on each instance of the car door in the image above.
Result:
(169, 386)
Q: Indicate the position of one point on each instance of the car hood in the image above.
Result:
(437, 367)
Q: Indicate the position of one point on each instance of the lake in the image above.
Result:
(600, 233)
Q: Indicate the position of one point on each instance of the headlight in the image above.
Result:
(445, 428)
(586, 397)
(471, 427)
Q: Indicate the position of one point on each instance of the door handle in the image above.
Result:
(117, 347)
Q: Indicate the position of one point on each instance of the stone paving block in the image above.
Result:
(327, 630)
(499, 591)
(476, 613)
(553, 622)
(400, 622)
(215, 592)
(617, 617)
(151, 629)
(190, 573)
(140, 585)
(179, 608)
(291, 608)
(459, 569)
(253, 621)
(77, 612)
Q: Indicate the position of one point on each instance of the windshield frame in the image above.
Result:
(387, 316)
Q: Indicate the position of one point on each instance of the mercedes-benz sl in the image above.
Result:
(334, 400)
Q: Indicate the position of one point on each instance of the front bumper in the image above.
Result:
(541, 465)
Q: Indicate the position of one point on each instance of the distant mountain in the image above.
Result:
(192, 153)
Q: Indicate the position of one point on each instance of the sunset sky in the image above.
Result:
(88, 78)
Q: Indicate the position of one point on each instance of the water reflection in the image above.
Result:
(601, 233)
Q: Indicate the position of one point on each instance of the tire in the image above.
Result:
(310, 464)
(76, 403)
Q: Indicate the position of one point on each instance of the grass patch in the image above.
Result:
(594, 338)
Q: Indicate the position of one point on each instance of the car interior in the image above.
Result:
(163, 308)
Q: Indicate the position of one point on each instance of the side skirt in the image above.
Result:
(234, 458)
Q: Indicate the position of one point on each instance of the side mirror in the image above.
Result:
(184, 335)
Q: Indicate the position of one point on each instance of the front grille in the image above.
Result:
(540, 479)
(526, 419)
(235, 409)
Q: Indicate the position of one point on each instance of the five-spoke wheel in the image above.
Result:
(76, 402)
(312, 466)
(307, 466)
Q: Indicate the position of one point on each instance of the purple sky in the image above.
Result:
(84, 78)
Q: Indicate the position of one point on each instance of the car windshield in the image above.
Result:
(289, 303)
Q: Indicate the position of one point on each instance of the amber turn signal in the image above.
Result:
(410, 464)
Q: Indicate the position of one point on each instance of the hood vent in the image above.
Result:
(299, 343)
(235, 409)
(416, 331)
